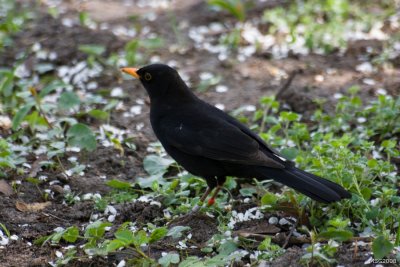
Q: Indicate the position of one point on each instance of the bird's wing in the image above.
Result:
(219, 140)
(271, 152)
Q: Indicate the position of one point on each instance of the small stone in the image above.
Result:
(57, 189)
(273, 220)
(221, 89)
(381, 91)
(369, 81)
(283, 221)
(365, 67)
(117, 92)
(319, 78)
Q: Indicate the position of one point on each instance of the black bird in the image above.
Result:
(211, 144)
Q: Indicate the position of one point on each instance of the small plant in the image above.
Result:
(13, 19)
(321, 26)
(134, 54)
(234, 7)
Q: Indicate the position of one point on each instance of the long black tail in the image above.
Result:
(315, 187)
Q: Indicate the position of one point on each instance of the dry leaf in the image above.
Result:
(5, 188)
(259, 229)
(31, 207)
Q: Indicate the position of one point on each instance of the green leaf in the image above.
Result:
(7, 83)
(372, 163)
(269, 199)
(150, 181)
(235, 7)
(389, 144)
(99, 114)
(96, 229)
(68, 100)
(265, 244)
(84, 18)
(125, 236)
(115, 244)
(41, 241)
(56, 237)
(140, 238)
(381, 247)
(176, 231)
(247, 192)
(289, 116)
(290, 153)
(338, 222)
(92, 49)
(157, 234)
(34, 181)
(372, 214)
(35, 121)
(71, 234)
(338, 235)
(227, 247)
(131, 51)
(152, 43)
(20, 116)
(5, 230)
(170, 258)
(366, 193)
(191, 261)
(81, 136)
(117, 184)
(230, 183)
(52, 86)
(156, 165)
(5, 163)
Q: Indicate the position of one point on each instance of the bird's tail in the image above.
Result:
(315, 187)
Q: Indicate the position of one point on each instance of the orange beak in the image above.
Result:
(131, 71)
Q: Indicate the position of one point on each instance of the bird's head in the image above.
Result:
(159, 80)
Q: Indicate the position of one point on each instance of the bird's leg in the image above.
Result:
(211, 201)
(196, 208)
(220, 182)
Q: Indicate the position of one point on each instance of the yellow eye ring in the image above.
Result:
(147, 76)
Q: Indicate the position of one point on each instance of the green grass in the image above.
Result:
(316, 25)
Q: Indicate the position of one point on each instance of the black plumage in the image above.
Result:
(211, 144)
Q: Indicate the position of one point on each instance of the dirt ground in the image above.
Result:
(247, 81)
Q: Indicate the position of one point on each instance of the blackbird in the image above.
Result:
(211, 144)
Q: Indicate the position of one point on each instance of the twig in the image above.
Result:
(290, 234)
(54, 216)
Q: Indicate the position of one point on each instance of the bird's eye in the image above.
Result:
(147, 76)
